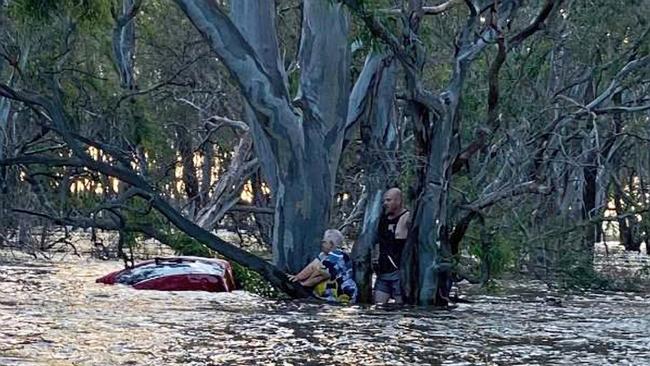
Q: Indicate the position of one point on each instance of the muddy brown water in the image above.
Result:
(53, 313)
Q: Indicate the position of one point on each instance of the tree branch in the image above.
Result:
(491, 199)
(426, 10)
(264, 88)
(127, 175)
(536, 24)
(379, 31)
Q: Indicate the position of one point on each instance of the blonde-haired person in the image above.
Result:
(330, 275)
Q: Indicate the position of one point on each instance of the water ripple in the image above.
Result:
(54, 314)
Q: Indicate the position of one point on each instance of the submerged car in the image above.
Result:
(176, 274)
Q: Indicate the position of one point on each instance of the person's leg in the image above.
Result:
(315, 278)
(381, 297)
(382, 291)
(396, 287)
(309, 270)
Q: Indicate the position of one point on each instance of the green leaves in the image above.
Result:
(87, 12)
(250, 281)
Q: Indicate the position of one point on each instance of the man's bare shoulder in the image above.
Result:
(403, 224)
(405, 219)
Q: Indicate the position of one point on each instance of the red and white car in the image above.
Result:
(176, 274)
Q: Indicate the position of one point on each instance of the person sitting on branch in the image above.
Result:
(330, 275)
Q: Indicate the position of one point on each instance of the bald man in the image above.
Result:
(391, 234)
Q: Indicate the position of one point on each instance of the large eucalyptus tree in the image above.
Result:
(298, 138)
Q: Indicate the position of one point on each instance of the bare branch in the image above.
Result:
(426, 10)
(629, 68)
(491, 199)
(624, 109)
(218, 122)
(253, 209)
(379, 31)
(168, 81)
(34, 159)
(536, 25)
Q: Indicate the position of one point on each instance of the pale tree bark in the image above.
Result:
(372, 104)
(304, 144)
(427, 259)
(6, 127)
(208, 203)
(124, 41)
(256, 22)
(226, 191)
(306, 184)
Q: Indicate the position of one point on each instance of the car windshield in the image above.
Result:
(154, 270)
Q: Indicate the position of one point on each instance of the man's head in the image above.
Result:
(332, 239)
(392, 201)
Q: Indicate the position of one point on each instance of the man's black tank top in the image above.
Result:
(390, 249)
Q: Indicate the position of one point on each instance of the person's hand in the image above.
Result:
(292, 278)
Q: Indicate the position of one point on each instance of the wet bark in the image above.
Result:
(427, 259)
(306, 183)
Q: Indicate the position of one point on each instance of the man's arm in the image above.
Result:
(402, 229)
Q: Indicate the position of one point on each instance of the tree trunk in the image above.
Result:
(206, 170)
(645, 217)
(372, 102)
(189, 178)
(304, 171)
(124, 42)
(628, 226)
(427, 253)
(7, 131)
(486, 262)
(624, 230)
(226, 193)
(302, 211)
(589, 210)
(264, 222)
(427, 259)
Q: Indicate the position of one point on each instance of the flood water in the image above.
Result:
(53, 313)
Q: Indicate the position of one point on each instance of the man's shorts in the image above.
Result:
(389, 283)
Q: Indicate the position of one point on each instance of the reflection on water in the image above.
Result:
(54, 314)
